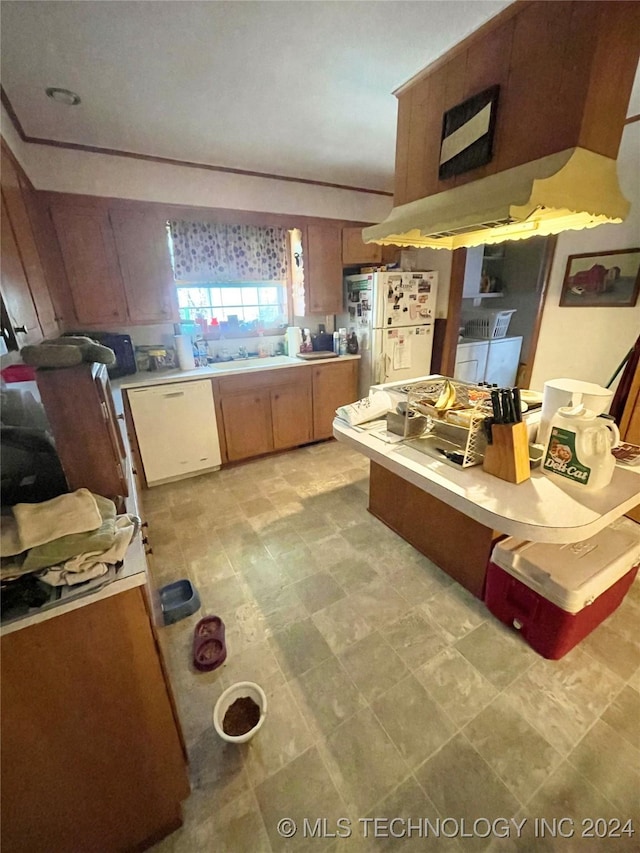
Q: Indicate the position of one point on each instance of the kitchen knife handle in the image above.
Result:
(507, 414)
(517, 404)
(495, 404)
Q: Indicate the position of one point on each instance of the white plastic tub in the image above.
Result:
(237, 691)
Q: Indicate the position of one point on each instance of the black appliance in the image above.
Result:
(122, 345)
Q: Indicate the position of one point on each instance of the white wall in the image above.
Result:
(65, 170)
(589, 343)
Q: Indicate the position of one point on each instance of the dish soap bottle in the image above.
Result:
(579, 448)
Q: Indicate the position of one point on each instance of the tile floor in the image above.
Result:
(393, 693)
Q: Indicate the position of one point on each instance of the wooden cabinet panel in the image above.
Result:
(247, 424)
(88, 249)
(19, 304)
(291, 415)
(90, 735)
(77, 401)
(356, 251)
(143, 254)
(333, 385)
(322, 251)
(17, 194)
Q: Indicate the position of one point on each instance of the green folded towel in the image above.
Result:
(66, 352)
(66, 547)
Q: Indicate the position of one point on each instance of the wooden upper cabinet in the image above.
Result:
(355, 251)
(19, 304)
(145, 264)
(322, 252)
(91, 263)
(18, 197)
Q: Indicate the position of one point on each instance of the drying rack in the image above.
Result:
(431, 430)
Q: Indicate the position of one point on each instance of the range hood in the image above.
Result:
(569, 190)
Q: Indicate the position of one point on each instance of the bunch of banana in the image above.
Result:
(447, 398)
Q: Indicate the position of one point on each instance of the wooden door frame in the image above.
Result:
(454, 309)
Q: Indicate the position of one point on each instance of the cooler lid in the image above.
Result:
(572, 576)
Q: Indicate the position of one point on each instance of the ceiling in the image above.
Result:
(301, 89)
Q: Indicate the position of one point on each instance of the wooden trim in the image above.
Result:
(524, 380)
(16, 163)
(632, 119)
(462, 46)
(456, 285)
(170, 161)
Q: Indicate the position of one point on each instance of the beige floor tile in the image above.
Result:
(460, 783)
(612, 766)
(568, 795)
(301, 791)
(363, 762)
(318, 591)
(351, 571)
(518, 754)
(623, 715)
(562, 699)
(499, 654)
(299, 647)
(283, 737)
(342, 624)
(238, 826)
(379, 604)
(326, 696)
(373, 665)
(456, 685)
(415, 639)
(413, 720)
(455, 610)
(619, 653)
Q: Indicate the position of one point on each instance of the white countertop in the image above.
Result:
(538, 510)
(224, 368)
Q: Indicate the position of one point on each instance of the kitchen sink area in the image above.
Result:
(254, 363)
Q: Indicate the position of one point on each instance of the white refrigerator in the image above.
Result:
(393, 316)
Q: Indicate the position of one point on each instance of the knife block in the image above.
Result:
(508, 456)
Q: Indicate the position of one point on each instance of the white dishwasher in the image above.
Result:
(176, 429)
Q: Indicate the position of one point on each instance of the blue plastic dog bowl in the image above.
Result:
(178, 600)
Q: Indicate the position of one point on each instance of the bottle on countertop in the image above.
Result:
(343, 341)
(352, 343)
(336, 343)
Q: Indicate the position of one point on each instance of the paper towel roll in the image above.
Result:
(184, 350)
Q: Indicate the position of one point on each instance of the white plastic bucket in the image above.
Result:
(237, 691)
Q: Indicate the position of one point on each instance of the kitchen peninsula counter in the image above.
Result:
(455, 515)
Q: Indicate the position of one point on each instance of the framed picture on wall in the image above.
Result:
(602, 279)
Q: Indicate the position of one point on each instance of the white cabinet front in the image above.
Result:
(176, 429)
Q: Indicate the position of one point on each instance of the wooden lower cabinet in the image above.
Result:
(279, 409)
(334, 385)
(92, 755)
(291, 415)
(459, 545)
(247, 424)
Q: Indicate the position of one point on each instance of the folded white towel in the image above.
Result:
(370, 408)
(76, 512)
(59, 576)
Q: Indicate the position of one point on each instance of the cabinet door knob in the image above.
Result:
(144, 524)
(120, 417)
(20, 330)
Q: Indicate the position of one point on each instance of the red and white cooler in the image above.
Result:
(557, 594)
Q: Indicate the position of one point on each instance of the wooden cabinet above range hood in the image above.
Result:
(564, 71)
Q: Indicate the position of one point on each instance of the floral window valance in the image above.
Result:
(208, 252)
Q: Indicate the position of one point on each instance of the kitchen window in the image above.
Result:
(256, 304)
(231, 278)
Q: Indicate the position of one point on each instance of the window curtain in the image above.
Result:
(208, 252)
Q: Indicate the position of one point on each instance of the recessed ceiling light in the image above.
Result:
(63, 96)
